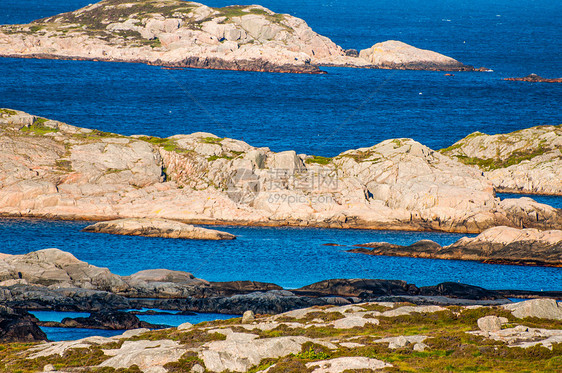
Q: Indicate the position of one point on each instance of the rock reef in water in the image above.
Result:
(157, 228)
(187, 34)
(500, 245)
(534, 78)
(55, 170)
(525, 161)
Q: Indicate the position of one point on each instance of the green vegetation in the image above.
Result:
(313, 351)
(211, 140)
(514, 158)
(319, 160)
(38, 127)
(215, 157)
(8, 112)
(185, 363)
(242, 10)
(166, 144)
(64, 165)
(361, 156)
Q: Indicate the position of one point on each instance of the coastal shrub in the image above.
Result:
(313, 351)
(319, 160)
(185, 363)
(211, 140)
(7, 111)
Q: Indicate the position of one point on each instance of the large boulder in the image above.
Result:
(541, 308)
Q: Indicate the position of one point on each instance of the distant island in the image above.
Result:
(176, 33)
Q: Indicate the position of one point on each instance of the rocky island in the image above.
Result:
(178, 33)
(500, 245)
(55, 170)
(157, 228)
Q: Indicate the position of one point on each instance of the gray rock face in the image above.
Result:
(541, 308)
(397, 184)
(526, 161)
(157, 228)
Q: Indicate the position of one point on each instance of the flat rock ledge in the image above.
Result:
(499, 245)
(157, 228)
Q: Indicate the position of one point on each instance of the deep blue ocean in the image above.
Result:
(314, 114)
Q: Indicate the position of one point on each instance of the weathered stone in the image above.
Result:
(489, 323)
(248, 317)
(342, 364)
(19, 326)
(525, 161)
(541, 308)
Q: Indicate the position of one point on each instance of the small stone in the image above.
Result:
(420, 346)
(504, 320)
(49, 368)
(248, 317)
(489, 323)
(197, 369)
(185, 326)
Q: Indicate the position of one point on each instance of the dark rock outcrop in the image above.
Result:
(107, 319)
(19, 326)
(361, 288)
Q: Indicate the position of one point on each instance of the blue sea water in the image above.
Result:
(315, 114)
(63, 334)
(289, 257)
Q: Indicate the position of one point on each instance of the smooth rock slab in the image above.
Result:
(147, 355)
(157, 228)
(345, 363)
(239, 356)
(541, 308)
